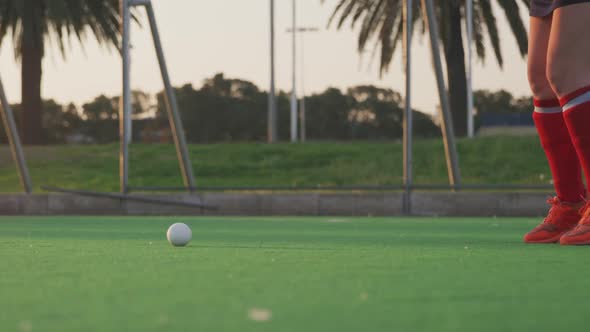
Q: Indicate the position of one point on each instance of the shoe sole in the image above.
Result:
(551, 240)
(584, 243)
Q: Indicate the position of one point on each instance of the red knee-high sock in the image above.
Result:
(576, 111)
(559, 149)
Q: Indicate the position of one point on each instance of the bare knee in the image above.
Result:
(540, 86)
(567, 74)
(557, 74)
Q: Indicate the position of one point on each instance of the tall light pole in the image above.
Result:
(302, 124)
(302, 127)
(294, 88)
(408, 115)
(470, 110)
(125, 122)
(272, 100)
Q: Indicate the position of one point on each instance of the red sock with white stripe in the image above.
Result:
(560, 150)
(576, 111)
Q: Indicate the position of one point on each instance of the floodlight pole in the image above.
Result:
(408, 116)
(302, 127)
(15, 144)
(170, 99)
(294, 89)
(470, 110)
(447, 122)
(125, 102)
(302, 121)
(272, 132)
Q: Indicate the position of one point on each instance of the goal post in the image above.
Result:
(14, 141)
(125, 112)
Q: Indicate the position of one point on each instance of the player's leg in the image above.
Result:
(549, 119)
(555, 139)
(569, 73)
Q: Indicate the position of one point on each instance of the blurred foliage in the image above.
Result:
(236, 110)
(35, 25)
(380, 28)
(501, 101)
(233, 110)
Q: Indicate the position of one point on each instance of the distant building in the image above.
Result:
(512, 124)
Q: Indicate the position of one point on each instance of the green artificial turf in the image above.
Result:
(312, 274)
(516, 160)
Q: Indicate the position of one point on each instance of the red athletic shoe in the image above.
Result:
(562, 218)
(580, 235)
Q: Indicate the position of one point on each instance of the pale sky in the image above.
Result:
(204, 37)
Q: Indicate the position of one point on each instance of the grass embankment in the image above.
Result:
(516, 160)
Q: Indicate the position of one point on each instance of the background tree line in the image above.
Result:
(229, 110)
(33, 23)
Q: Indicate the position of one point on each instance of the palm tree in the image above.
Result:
(33, 24)
(381, 21)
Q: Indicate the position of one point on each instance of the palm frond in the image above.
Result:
(516, 24)
(59, 22)
(391, 34)
(380, 22)
(478, 33)
(371, 22)
(492, 27)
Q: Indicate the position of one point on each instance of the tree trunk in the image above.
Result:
(31, 96)
(455, 61)
(32, 57)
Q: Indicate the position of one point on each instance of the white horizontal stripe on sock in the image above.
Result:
(579, 100)
(548, 109)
